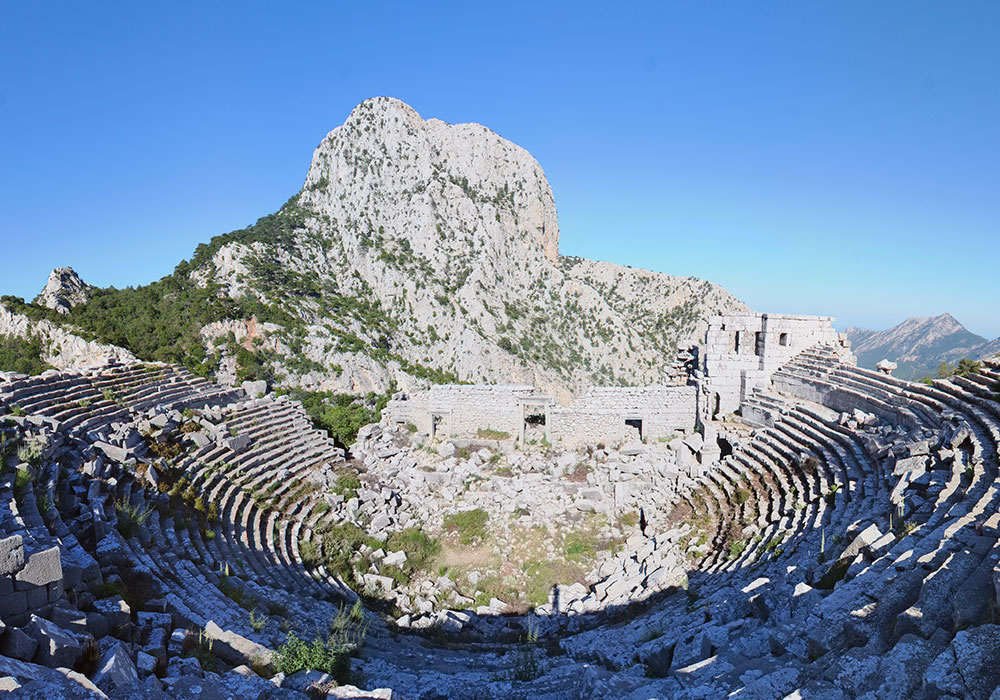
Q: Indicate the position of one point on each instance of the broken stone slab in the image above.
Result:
(379, 583)
(633, 449)
(115, 610)
(836, 571)
(910, 465)
(115, 669)
(56, 646)
(380, 522)
(254, 389)
(16, 644)
(113, 452)
(235, 649)
(447, 450)
(659, 660)
(369, 432)
(394, 559)
(238, 444)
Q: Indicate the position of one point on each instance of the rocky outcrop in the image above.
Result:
(64, 290)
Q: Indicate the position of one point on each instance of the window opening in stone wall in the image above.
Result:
(783, 339)
(736, 342)
(726, 449)
(717, 407)
(534, 427)
(758, 344)
(635, 424)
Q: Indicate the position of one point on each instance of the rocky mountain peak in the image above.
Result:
(419, 249)
(64, 290)
(918, 344)
(444, 188)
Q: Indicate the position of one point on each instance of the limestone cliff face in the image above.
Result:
(417, 243)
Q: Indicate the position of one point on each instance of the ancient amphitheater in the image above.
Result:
(846, 523)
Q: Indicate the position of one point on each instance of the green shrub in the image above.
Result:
(470, 525)
(490, 434)
(421, 549)
(31, 452)
(21, 355)
(130, 518)
(257, 621)
(330, 655)
(578, 546)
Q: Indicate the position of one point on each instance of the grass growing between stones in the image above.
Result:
(130, 518)
(468, 525)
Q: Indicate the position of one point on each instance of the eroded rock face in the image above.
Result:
(64, 290)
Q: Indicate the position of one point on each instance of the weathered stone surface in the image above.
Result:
(11, 555)
(56, 646)
(17, 644)
(41, 569)
(63, 290)
(235, 649)
(115, 669)
(115, 610)
(970, 666)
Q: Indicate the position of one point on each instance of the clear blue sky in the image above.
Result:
(833, 158)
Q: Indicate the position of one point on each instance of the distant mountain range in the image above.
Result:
(920, 345)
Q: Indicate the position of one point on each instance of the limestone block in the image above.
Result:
(395, 559)
(41, 569)
(237, 444)
(115, 610)
(235, 649)
(11, 555)
(56, 646)
(114, 453)
(16, 644)
(115, 669)
(144, 663)
(447, 450)
(254, 388)
(380, 522)
(13, 604)
(379, 583)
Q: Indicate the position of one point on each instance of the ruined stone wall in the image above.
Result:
(463, 409)
(600, 414)
(743, 350)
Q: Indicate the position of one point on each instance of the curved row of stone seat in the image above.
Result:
(285, 450)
